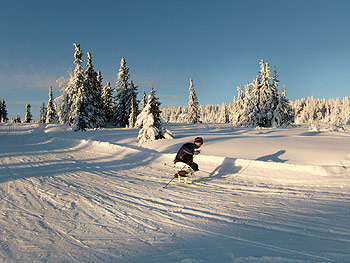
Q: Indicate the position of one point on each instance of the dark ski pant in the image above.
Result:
(194, 166)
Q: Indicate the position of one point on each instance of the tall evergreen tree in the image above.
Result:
(155, 108)
(43, 113)
(144, 100)
(123, 101)
(223, 114)
(283, 114)
(93, 92)
(108, 105)
(82, 118)
(134, 110)
(28, 116)
(71, 94)
(149, 122)
(263, 105)
(51, 114)
(193, 108)
(3, 111)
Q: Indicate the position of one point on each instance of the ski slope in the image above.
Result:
(269, 195)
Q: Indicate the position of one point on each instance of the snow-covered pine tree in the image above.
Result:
(108, 105)
(123, 101)
(17, 119)
(155, 108)
(51, 114)
(261, 101)
(144, 100)
(134, 107)
(346, 110)
(335, 118)
(94, 104)
(283, 114)
(28, 116)
(238, 107)
(223, 114)
(71, 94)
(268, 98)
(3, 111)
(42, 113)
(149, 122)
(82, 118)
(193, 108)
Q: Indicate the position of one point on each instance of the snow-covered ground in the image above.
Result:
(268, 195)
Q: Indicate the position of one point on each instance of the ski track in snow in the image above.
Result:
(76, 200)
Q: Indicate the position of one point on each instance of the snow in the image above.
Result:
(265, 195)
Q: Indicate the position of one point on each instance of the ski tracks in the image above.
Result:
(75, 202)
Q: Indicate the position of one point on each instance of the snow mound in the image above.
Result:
(276, 173)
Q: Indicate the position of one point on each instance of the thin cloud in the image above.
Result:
(19, 102)
(171, 96)
(22, 81)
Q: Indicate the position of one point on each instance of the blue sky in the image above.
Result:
(165, 43)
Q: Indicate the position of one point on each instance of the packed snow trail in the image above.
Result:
(65, 199)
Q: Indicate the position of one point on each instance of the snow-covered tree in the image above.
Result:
(223, 116)
(108, 105)
(262, 105)
(144, 100)
(82, 118)
(3, 111)
(238, 107)
(134, 108)
(42, 113)
(93, 92)
(17, 119)
(51, 114)
(193, 108)
(283, 114)
(28, 116)
(123, 101)
(149, 122)
(71, 94)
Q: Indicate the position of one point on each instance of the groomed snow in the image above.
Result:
(263, 195)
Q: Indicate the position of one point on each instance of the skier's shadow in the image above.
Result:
(275, 157)
(227, 167)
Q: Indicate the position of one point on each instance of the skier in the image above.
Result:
(187, 152)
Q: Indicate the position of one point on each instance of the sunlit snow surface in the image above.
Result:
(266, 195)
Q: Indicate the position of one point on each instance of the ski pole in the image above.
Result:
(176, 174)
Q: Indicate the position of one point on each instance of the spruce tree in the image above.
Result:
(123, 101)
(108, 105)
(43, 113)
(51, 114)
(283, 114)
(149, 122)
(28, 116)
(223, 114)
(72, 93)
(3, 111)
(81, 119)
(155, 108)
(134, 108)
(93, 91)
(17, 119)
(193, 108)
(144, 100)
(263, 106)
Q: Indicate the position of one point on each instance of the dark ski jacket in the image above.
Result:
(185, 154)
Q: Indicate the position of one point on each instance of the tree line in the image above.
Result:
(84, 103)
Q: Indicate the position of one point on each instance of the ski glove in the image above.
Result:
(197, 152)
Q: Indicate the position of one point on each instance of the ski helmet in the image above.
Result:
(199, 139)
